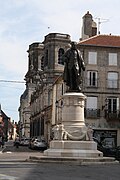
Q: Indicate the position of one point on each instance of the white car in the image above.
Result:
(38, 144)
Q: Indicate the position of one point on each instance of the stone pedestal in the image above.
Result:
(73, 141)
(73, 149)
(73, 110)
(73, 115)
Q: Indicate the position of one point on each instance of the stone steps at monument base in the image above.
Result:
(73, 160)
(72, 153)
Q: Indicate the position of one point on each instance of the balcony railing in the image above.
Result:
(112, 115)
(92, 113)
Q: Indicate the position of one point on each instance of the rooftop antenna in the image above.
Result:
(100, 21)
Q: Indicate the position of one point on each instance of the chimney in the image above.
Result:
(89, 27)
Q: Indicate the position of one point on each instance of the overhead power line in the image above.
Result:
(12, 81)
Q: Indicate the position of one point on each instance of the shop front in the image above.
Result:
(108, 138)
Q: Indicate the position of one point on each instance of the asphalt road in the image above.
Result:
(47, 171)
(14, 167)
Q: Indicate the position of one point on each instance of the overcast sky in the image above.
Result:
(23, 22)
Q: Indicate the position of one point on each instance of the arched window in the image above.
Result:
(46, 58)
(35, 60)
(60, 56)
(42, 63)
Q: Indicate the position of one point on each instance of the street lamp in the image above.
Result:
(106, 103)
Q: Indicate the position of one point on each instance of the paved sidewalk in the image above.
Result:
(8, 143)
(18, 156)
(1, 149)
(23, 154)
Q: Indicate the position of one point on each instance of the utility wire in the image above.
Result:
(12, 81)
(12, 87)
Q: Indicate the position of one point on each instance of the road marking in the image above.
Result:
(3, 177)
(16, 163)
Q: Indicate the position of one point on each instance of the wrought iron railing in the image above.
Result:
(112, 115)
(92, 113)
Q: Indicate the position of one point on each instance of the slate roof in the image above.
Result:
(102, 40)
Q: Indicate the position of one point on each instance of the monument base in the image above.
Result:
(73, 149)
(78, 152)
(73, 141)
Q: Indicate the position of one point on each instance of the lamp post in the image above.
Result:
(106, 104)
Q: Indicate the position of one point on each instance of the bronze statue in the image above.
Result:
(72, 72)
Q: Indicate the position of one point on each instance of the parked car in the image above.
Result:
(118, 153)
(24, 141)
(38, 144)
(108, 151)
